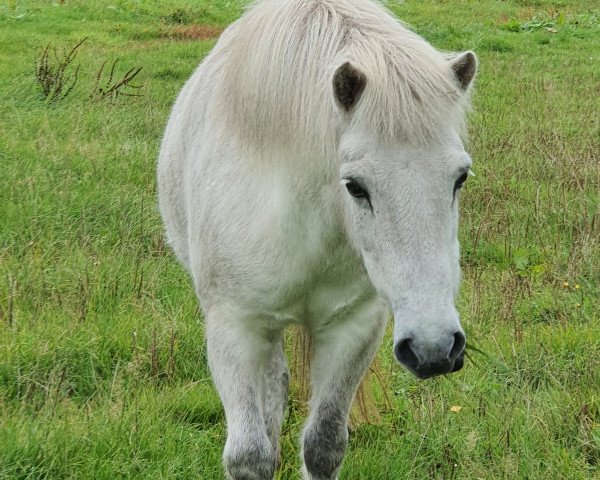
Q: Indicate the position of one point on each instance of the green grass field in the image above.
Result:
(102, 362)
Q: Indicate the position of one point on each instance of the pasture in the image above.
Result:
(102, 361)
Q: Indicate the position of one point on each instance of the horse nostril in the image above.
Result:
(405, 354)
(458, 346)
(458, 364)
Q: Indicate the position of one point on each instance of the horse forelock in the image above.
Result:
(276, 85)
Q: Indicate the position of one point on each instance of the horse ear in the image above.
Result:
(348, 85)
(464, 67)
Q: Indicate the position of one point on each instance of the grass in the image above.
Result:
(102, 362)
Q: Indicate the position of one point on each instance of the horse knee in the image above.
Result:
(323, 448)
(250, 463)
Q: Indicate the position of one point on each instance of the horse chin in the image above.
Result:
(426, 371)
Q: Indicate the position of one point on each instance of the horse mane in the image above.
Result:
(276, 83)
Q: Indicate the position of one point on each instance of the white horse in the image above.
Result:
(309, 175)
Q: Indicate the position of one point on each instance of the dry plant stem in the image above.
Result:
(54, 81)
(112, 88)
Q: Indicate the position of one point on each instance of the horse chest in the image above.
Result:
(302, 269)
(321, 281)
(278, 250)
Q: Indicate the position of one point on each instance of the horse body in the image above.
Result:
(299, 101)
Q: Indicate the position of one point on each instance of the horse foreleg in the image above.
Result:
(237, 357)
(342, 354)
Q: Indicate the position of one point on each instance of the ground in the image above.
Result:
(102, 363)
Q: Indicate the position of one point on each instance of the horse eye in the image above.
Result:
(460, 182)
(356, 190)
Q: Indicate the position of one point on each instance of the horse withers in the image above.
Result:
(309, 174)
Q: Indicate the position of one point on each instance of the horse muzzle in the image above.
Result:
(427, 359)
